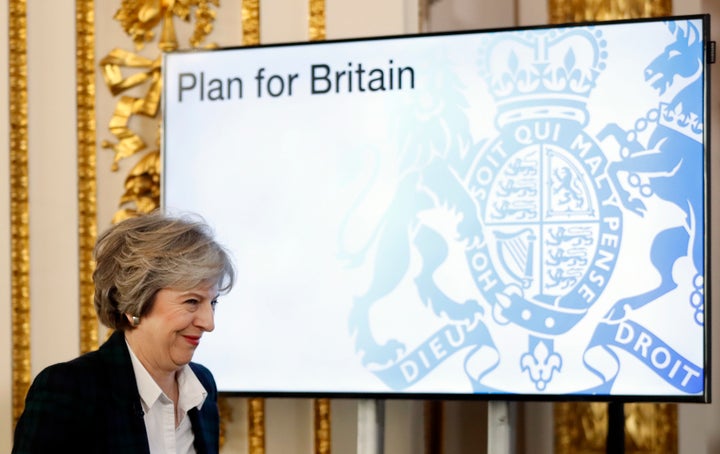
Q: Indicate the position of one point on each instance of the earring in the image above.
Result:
(135, 320)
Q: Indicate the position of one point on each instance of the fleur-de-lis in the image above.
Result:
(541, 364)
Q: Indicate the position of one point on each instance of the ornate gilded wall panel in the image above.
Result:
(582, 427)
(19, 205)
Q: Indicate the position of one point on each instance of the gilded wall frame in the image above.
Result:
(19, 205)
(86, 169)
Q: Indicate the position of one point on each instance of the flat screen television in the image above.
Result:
(497, 214)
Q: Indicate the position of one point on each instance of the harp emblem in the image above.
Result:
(516, 254)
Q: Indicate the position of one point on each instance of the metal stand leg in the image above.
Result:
(501, 427)
(371, 427)
(616, 428)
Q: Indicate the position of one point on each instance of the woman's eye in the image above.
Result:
(192, 301)
(213, 303)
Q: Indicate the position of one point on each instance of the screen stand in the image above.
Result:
(501, 428)
(615, 443)
(371, 426)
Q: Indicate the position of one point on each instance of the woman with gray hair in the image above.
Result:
(157, 280)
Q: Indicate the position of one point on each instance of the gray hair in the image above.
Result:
(142, 255)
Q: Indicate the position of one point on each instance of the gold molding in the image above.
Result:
(321, 420)
(86, 169)
(562, 11)
(256, 425)
(225, 415)
(250, 22)
(19, 205)
(316, 30)
(582, 426)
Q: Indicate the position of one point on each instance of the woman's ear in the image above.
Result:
(133, 319)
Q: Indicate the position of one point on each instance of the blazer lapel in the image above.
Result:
(198, 431)
(131, 435)
(131, 432)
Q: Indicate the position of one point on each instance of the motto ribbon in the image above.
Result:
(645, 346)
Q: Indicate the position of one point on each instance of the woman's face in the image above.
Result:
(169, 333)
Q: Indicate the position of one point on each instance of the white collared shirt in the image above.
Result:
(159, 412)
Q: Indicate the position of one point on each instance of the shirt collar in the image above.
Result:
(192, 392)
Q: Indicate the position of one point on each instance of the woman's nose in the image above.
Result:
(205, 317)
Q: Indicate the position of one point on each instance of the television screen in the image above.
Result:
(503, 214)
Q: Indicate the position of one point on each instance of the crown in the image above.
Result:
(680, 120)
(543, 72)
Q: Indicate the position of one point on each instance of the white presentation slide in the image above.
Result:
(507, 213)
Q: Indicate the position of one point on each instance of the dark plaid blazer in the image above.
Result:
(91, 405)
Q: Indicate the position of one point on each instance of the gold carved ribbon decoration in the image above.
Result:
(123, 69)
(19, 205)
(582, 426)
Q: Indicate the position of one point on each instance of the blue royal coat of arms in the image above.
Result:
(565, 223)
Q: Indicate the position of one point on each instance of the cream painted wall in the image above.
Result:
(349, 19)
(450, 15)
(52, 143)
(283, 21)
(531, 12)
(5, 314)
(53, 216)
